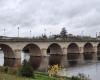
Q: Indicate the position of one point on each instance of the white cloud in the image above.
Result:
(75, 15)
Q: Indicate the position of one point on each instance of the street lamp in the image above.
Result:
(45, 31)
(4, 31)
(18, 31)
(30, 33)
(96, 35)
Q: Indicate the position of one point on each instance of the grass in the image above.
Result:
(4, 76)
(43, 76)
(38, 76)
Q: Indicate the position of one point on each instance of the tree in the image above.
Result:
(63, 33)
(26, 70)
(44, 36)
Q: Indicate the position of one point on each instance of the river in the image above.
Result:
(91, 70)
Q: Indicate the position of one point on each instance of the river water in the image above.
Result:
(90, 70)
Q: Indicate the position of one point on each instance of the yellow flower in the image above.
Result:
(54, 69)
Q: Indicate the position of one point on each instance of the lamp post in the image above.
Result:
(44, 31)
(50, 33)
(18, 31)
(30, 33)
(96, 35)
(4, 31)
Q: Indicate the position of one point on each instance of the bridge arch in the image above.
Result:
(73, 53)
(55, 54)
(33, 49)
(88, 52)
(34, 52)
(73, 48)
(8, 55)
(54, 48)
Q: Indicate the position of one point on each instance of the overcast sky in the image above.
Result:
(78, 16)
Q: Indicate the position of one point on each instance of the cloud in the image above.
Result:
(75, 15)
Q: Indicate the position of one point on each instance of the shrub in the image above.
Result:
(80, 77)
(53, 70)
(75, 78)
(26, 70)
(6, 69)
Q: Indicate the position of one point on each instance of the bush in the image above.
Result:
(80, 77)
(53, 70)
(6, 69)
(75, 78)
(26, 70)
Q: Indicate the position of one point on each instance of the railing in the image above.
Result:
(44, 40)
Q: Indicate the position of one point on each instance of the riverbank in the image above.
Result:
(7, 73)
(38, 76)
(5, 76)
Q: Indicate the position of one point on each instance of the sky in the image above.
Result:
(36, 17)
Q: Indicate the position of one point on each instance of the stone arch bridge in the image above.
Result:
(47, 52)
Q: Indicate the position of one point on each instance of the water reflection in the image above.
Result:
(9, 62)
(35, 61)
(25, 56)
(90, 70)
(55, 59)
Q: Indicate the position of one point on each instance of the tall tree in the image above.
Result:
(63, 33)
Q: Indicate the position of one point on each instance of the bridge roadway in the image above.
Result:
(49, 52)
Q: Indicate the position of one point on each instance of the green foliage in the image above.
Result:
(80, 77)
(6, 69)
(75, 78)
(26, 70)
(44, 77)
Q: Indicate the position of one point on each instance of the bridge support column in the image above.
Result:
(81, 56)
(95, 58)
(12, 62)
(44, 62)
(14, 59)
(17, 58)
(64, 61)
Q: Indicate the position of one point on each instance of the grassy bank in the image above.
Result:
(4, 76)
(38, 76)
(13, 74)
